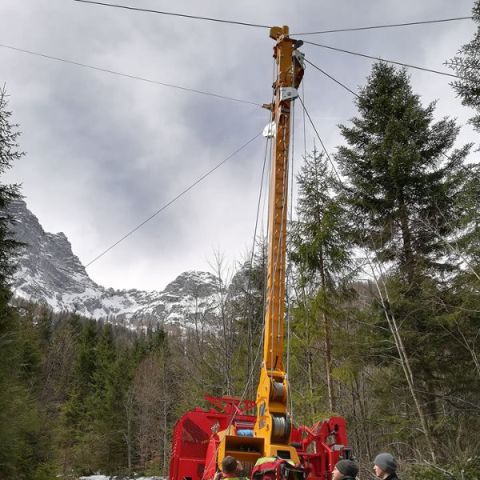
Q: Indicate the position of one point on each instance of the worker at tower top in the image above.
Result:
(385, 466)
(345, 470)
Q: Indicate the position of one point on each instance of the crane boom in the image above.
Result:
(203, 438)
(273, 422)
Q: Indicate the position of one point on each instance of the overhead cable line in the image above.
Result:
(320, 139)
(381, 59)
(331, 78)
(174, 199)
(172, 14)
(392, 25)
(127, 75)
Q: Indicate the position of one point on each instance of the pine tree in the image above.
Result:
(467, 66)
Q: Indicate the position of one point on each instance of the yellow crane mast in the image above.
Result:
(271, 433)
(273, 421)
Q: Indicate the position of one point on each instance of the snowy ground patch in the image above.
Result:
(105, 477)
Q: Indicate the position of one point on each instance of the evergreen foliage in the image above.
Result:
(320, 251)
(9, 153)
(467, 66)
(403, 177)
(79, 396)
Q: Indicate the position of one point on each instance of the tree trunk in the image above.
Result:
(404, 360)
(409, 265)
(328, 349)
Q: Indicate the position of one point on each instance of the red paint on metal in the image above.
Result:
(195, 440)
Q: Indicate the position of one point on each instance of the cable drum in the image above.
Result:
(281, 427)
(277, 391)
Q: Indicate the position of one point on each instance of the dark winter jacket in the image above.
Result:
(347, 477)
(392, 476)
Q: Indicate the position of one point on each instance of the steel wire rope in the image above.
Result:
(289, 269)
(391, 25)
(257, 25)
(174, 199)
(127, 75)
(173, 14)
(254, 363)
(242, 397)
(384, 299)
(249, 292)
(277, 258)
(267, 204)
(320, 139)
(432, 229)
(332, 78)
(281, 241)
(371, 57)
(267, 144)
(304, 123)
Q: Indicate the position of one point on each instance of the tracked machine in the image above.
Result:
(203, 437)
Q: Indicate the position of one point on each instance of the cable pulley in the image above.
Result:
(278, 392)
(281, 427)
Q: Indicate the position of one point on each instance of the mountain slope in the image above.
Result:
(50, 273)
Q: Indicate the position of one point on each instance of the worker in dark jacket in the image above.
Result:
(345, 470)
(385, 466)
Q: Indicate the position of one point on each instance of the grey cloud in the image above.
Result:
(106, 152)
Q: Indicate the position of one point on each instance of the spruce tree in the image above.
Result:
(319, 247)
(404, 181)
(9, 153)
(24, 441)
(319, 238)
(404, 178)
(467, 66)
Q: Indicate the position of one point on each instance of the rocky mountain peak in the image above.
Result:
(50, 273)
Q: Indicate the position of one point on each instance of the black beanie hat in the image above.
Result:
(386, 462)
(347, 467)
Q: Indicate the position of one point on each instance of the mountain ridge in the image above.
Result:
(51, 274)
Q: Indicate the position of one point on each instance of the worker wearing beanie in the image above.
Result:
(385, 466)
(345, 470)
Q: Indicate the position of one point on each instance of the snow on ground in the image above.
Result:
(105, 477)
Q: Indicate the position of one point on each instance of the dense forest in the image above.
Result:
(383, 313)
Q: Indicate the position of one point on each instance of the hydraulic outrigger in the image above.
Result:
(203, 438)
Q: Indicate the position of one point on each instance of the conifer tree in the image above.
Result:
(404, 185)
(403, 176)
(467, 66)
(319, 249)
(9, 152)
(17, 422)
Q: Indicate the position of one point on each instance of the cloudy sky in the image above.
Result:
(104, 152)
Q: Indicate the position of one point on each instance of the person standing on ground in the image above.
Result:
(231, 469)
(345, 470)
(385, 466)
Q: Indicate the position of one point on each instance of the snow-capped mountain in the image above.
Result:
(50, 273)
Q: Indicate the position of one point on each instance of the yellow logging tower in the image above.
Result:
(273, 422)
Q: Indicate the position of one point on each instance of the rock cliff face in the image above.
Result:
(50, 273)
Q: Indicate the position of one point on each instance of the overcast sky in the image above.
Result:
(104, 152)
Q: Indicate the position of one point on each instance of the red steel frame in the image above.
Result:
(195, 440)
